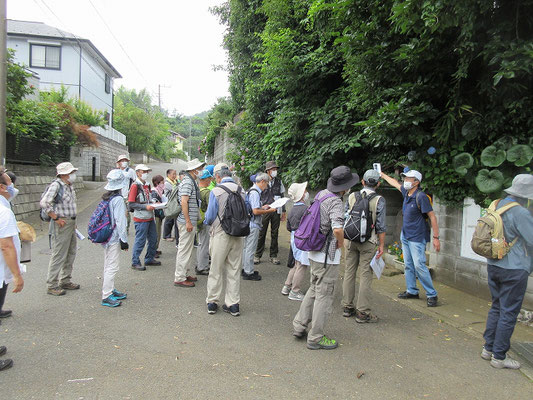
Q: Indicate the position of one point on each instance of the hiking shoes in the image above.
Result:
(323, 344)
(432, 301)
(212, 308)
(110, 301)
(299, 335)
(348, 312)
(407, 295)
(364, 317)
(285, 290)
(5, 313)
(3, 350)
(485, 354)
(70, 286)
(184, 283)
(233, 309)
(153, 263)
(254, 276)
(257, 260)
(201, 271)
(275, 261)
(5, 364)
(297, 296)
(508, 362)
(118, 295)
(138, 267)
(56, 291)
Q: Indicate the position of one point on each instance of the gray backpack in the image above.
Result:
(173, 208)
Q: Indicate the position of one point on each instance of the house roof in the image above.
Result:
(176, 134)
(41, 30)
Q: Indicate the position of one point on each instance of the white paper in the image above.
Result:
(279, 202)
(377, 265)
(79, 235)
(159, 205)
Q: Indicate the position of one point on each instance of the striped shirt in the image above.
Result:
(66, 207)
(188, 188)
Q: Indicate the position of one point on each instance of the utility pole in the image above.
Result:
(3, 80)
(159, 94)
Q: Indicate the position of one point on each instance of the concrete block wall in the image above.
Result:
(31, 187)
(106, 155)
(460, 272)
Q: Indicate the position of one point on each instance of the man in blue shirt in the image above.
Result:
(415, 235)
(256, 223)
(507, 278)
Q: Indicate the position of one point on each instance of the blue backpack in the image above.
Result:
(100, 228)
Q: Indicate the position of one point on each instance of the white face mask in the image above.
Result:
(144, 176)
(13, 192)
(408, 185)
(124, 164)
(306, 196)
(274, 173)
(72, 178)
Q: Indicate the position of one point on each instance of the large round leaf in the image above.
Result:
(461, 163)
(489, 181)
(492, 156)
(520, 155)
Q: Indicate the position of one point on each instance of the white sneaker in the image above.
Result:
(285, 290)
(508, 362)
(298, 296)
(485, 354)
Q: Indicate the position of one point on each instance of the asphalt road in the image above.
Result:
(162, 344)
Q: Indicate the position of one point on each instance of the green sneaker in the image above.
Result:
(324, 343)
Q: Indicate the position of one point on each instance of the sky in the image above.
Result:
(172, 43)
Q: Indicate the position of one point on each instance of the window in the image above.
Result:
(107, 83)
(43, 56)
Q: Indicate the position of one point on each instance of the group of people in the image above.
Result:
(231, 241)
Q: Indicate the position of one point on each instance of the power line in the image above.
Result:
(118, 42)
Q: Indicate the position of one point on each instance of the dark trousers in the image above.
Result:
(3, 292)
(273, 219)
(167, 227)
(507, 288)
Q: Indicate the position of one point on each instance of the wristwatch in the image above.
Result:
(56, 218)
(436, 237)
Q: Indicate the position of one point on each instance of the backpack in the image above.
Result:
(59, 195)
(308, 236)
(173, 208)
(248, 204)
(360, 221)
(100, 228)
(488, 239)
(235, 220)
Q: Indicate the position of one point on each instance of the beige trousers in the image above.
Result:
(358, 256)
(184, 255)
(64, 247)
(317, 304)
(226, 261)
(296, 276)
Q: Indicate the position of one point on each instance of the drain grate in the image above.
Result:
(524, 350)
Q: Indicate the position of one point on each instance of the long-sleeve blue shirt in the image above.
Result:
(517, 222)
(212, 208)
(118, 218)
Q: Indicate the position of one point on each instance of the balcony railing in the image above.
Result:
(110, 133)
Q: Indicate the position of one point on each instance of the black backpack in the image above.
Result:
(236, 220)
(359, 222)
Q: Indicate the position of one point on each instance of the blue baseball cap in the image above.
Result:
(211, 169)
(206, 174)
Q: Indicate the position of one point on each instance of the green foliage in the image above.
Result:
(17, 82)
(36, 120)
(329, 82)
(217, 119)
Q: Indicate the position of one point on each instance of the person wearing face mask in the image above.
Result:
(189, 195)
(10, 271)
(415, 234)
(143, 219)
(275, 190)
(250, 242)
(317, 304)
(123, 163)
(62, 230)
(296, 275)
(158, 196)
(508, 277)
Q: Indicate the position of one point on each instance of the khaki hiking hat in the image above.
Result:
(219, 167)
(194, 164)
(65, 168)
(123, 157)
(142, 167)
(270, 165)
(296, 191)
(522, 186)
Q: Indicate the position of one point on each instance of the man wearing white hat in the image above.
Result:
(123, 163)
(508, 277)
(59, 202)
(415, 234)
(143, 219)
(189, 195)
